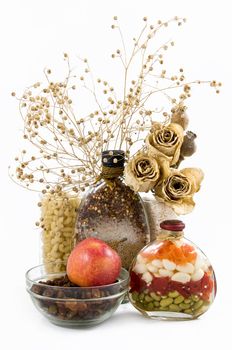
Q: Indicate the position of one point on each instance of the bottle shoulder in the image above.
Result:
(112, 202)
(115, 188)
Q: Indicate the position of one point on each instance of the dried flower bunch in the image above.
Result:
(155, 166)
(67, 144)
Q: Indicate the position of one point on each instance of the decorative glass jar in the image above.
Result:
(58, 217)
(111, 211)
(157, 212)
(171, 278)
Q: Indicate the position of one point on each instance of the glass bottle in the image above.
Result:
(171, 278)
(111, 211)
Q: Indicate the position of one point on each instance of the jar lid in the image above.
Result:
(113, 158)
(172, 225)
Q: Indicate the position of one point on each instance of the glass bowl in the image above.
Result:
(74, 306)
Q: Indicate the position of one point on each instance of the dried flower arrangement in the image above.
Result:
(68, 145)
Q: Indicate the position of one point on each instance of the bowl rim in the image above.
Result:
(109, 297)
(126, 279)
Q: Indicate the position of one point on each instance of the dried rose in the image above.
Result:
(180, 116)
(143, 172)
(165, 141)
(178, 188)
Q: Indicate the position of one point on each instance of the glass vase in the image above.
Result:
(157, 212)
(58, 223)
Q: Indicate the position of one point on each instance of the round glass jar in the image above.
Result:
(111, 211)
(171, 278)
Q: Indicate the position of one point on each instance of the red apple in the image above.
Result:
(93, 263)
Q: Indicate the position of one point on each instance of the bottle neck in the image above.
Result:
(111, 172)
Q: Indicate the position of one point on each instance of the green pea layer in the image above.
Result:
(173, 301)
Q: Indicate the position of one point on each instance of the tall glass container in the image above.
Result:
(58, 217)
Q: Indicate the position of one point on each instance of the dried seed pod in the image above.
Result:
(179, 116)
(188, 147)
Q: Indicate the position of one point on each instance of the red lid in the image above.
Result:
(172, 225)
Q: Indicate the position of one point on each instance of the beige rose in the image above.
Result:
(143, 172)
(178, 188)
(165, 141)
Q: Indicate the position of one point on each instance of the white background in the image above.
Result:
(34, 34)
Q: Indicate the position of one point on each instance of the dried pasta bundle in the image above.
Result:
(58, 221)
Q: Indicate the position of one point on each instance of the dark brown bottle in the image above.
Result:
(111, 211)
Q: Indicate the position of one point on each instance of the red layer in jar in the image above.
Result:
(163, 285)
